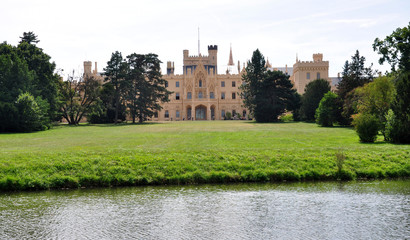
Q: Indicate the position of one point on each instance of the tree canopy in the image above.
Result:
(267, 94)
(314, 92)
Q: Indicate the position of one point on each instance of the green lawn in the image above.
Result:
(190, 152)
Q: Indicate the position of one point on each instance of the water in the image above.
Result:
(330, 210)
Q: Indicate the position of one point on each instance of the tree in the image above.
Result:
(274, 96)
(29, 37)
(326, 113)
(314, 92)
(32, 113)
(45, 80)
(395, 49)
(145, 86)
(15, 77)
(78, 95)
(115, 73)
(375, 98)
(103, 111)
(354, 75)
(255, 73)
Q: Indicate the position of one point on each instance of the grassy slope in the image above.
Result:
(190, 152)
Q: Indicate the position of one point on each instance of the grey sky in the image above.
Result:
(74, 31)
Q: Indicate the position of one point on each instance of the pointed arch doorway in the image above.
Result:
(200, 112)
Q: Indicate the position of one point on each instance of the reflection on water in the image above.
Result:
(361, 210)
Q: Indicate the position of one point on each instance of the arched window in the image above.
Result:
(200, 95)
(200, 83)
(318, 75)
(307, 75)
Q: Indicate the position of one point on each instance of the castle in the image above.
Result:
(200, 93)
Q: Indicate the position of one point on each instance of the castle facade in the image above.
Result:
(200, 93)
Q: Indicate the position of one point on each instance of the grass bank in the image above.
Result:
(191, 152)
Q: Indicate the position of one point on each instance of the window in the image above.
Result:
(318, 75)
(233, 84)
(200, 83)
(166, 114)
(200, 95)
(223, 84)
(177, 96)
(223, 95)
(233, 95)
(177, 114)
(211, 95)
(177, 84)
(166, 83)
(223, 113)
(244, 113)
(156, 115)
(233, 113)
(189, 95)
(307, 75)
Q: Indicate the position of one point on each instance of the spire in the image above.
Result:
(199, 48)
(268, 65)
(230, 63)
(296, 57)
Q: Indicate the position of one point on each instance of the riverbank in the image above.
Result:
(190, 153)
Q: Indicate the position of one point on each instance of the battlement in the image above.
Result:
(212, 47)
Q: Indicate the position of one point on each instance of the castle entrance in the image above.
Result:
(200, 112)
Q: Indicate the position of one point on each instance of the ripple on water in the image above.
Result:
(364, 210)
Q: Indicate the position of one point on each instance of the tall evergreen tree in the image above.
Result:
(255, 73)
(267, 94)
(354, 75)
(314, 92)
(115, 72)
(145, 86)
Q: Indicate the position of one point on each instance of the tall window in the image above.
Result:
(243, 113)
(233, 95)
(155, 114)
(189, 95)
(177, 96)
(200, 95)
(177, 114)
(177, 84)
(200, 83)
(233, 84)
(166, 83)
(318, 75)
(211, 95)
(307, 75)
(166, 114)
(223, 113)
(233, 113)
(222, 83)
(223, 95)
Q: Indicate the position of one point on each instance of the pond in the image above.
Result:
(315, 210)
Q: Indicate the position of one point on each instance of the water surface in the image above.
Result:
(325, 210)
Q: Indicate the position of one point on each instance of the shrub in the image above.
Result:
(326, 113)
(367, 126)
(32, 113)
(228, 116)
(286, 117)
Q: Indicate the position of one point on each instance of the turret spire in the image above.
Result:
(230, 63)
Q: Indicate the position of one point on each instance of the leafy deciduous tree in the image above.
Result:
(326, 113)
(78, 95)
